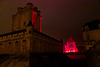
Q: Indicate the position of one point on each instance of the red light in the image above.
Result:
(35, 20)
(40, 21)
(70, 46)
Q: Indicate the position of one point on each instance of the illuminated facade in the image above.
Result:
(91, 33)
(26, 39)
(70, 46)
(25, 15)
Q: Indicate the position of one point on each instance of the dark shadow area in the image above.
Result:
(54, 60)
(4, 57)
(44, 60)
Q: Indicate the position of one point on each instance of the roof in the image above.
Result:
(92, 25)
(14, 32)
(70, 39)
(23, 30)
(46, 35)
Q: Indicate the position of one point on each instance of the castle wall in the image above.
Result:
(93, 34)
(15, 43)
(28, 41)
(25, 39)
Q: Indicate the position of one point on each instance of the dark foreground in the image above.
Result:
(44, 60)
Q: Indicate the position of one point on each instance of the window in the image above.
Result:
(29, 31)
(24, 23)
(16, 42)
(24, 40)
(0, 44)
(71, 50)
(71, 45)
(9, 42)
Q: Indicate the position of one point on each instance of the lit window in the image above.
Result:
(71, 45)
(71, 50)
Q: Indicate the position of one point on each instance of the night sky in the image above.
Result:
(60, 18)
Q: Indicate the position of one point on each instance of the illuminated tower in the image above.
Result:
(70, 46)
(25, 15)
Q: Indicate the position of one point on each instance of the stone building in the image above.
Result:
(26, 38)
(93, 55)
(91, 37)
(91, 33)
(25, 15)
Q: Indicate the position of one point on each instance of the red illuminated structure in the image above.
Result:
(70, 46)
(36, 18)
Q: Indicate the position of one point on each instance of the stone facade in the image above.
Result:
(91, 37)
(24, 16)
(26, 38)
(91, 33)
(93, 55)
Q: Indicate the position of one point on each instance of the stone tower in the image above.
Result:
(26, 15)
(19, 47)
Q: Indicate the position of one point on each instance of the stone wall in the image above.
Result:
(28, 40)
(24, 15)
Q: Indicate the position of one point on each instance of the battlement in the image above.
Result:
(25, 40)
(29, 6)
(26, 34)
(11, 35)
(26, 14)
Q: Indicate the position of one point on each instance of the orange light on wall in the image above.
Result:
(66, 51)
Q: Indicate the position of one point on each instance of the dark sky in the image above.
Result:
(60, 18)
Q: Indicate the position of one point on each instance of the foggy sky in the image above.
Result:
(60, 18)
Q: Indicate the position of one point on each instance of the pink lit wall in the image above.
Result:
(70, 46)
(36, 20)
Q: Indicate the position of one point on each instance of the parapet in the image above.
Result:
(24, 15)
(29, 5)
(19, 9)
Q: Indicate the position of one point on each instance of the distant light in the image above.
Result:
(70, 46)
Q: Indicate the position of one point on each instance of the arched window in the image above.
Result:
(17, 47)
(23, 46)
(71, 45)
(24, 23)
(71, 50)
